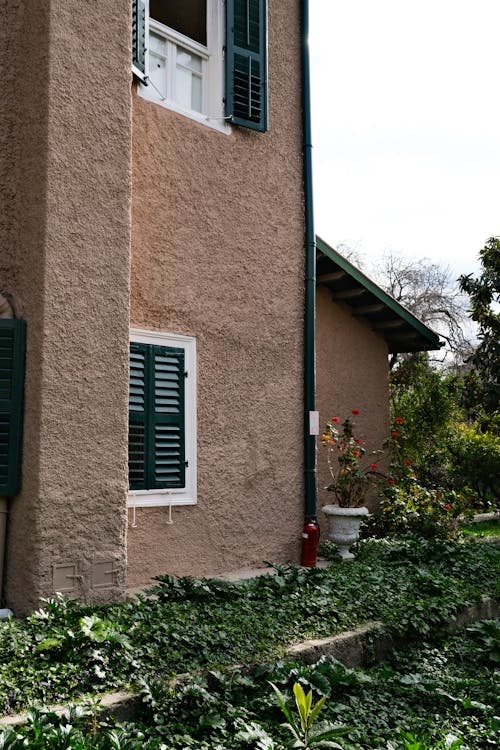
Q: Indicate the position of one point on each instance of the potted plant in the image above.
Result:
(350, 481)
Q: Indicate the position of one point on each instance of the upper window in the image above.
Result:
(179, 48)
(162, 419)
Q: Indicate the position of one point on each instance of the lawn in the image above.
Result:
(483, 528)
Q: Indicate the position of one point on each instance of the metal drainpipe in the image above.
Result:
(310, 279)
(6, 311)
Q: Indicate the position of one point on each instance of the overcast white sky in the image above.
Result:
(406, 126)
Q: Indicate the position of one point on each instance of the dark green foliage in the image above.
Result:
(63, 651)
(484, 294)
(476, 459)
(446, 452)
(427, 401)
(436, 696)
(409, 508)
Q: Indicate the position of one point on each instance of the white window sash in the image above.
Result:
(212, 68)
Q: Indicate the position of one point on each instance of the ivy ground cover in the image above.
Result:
(433, 697)
(64, 651)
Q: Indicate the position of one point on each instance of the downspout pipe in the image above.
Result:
(310, 274)
(6, 311)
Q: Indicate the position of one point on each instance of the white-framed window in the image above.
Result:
(207, 64)
(162, 419)
(184, 63)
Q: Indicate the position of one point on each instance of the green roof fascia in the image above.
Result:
(386, 299)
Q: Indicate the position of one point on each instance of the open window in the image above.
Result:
(211, 65)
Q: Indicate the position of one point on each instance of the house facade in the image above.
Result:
(153, 235)
(152, 226)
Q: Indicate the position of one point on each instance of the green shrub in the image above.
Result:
(427, 401)
(409, 508)
(477, 461)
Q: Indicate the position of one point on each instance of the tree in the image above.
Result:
(484, 294)
(428, 291)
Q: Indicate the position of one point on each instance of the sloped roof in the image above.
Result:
(402, 331)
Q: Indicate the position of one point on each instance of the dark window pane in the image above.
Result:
(188, 17)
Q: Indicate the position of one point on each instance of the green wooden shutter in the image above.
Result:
(139, 39)
(167, 457)
(12, 350)
(156, 417)
(246, 63)
(137, 414)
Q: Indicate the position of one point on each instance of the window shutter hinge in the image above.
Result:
(185, 373)
(186, 464)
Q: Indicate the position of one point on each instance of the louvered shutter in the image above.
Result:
(137, 416)
(12, 349)
(156, 417)
(139, 39)
(167, 468)
(246, 63)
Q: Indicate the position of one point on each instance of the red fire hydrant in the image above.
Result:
(310, 539)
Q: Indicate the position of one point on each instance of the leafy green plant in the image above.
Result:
(487, 637)
(301, 728)
(476, 459)
(449, 742)
(410, 508)
(427, 401)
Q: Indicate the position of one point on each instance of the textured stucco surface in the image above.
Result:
(352, 373)
(65, 256)
(217, 253)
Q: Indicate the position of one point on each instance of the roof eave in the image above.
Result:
(402, 330)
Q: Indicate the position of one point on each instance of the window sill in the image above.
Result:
(159, 498)
(216, 123)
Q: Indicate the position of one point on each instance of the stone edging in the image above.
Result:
(371, 642)
(354, 648)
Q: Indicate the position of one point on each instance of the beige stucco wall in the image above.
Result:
(218, 254)
(352, 373)
(64, 255)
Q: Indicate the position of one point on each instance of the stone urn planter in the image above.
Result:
(344, 526)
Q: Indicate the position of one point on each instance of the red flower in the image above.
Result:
(357, 441)
(355, 411)
(392, 481)
(357, 453)
(413, 475)
(394, 433)
(334, 419)
(373, 466)
(408, 463)
(447, 506)
(399, 420)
